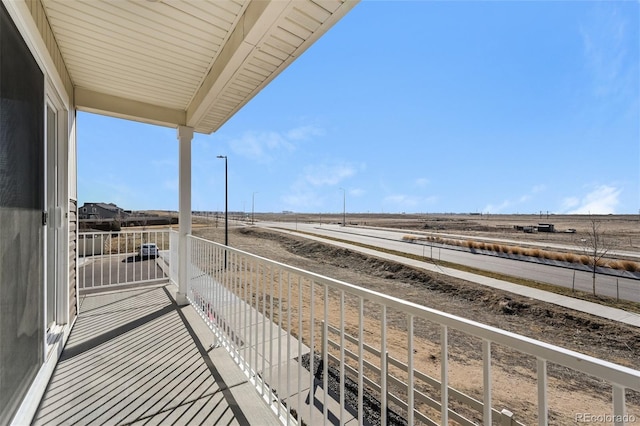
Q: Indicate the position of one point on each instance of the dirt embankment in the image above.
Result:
(571, 329)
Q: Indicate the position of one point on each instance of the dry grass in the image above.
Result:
(630, 266)
(625, 265)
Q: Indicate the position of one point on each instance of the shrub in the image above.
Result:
(517, 250)
(470, 244)
(570, 257)
(533, 252)
(548, 255)
(585, 260)
(630, 266)
(614, 264)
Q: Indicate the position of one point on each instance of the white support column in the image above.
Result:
(185, 134)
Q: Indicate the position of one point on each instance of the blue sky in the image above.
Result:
(493, 107)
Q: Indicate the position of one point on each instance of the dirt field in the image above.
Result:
(563, 327)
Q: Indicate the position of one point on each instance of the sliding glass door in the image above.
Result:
(22, 196)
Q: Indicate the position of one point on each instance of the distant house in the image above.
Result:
(546, 227)
(101, 211)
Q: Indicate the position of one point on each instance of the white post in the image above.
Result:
(185, 134)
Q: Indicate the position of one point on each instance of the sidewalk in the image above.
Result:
(614, 314)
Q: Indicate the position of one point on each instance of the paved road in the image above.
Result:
(625, 288)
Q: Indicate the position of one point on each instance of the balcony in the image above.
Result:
(241, 351)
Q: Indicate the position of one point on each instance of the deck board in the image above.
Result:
(135, 357)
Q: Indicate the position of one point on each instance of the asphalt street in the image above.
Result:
(612, 286)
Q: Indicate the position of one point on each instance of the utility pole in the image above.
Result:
(344, 207)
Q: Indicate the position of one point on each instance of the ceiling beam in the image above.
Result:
(114, 106)
(258, 17)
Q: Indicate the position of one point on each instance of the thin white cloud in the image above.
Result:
(265, 146)
(569, 203)
(421, 182)
(510, 203)
(304, 133)
(328, 174)
(306, 201)
(604, 39)
(356, 192)
(538, 188)
(304, 192)
(260, 146)
(170, 184)
(602, 199)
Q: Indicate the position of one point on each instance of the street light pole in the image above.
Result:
(253, 203)
(344, 207)
(226, 201)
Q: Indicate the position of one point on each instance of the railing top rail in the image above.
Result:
(123, 231)
(612, 373)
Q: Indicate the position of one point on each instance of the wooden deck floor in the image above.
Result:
(135, 357)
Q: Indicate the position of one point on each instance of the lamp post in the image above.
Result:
(253, 204)
(226, 202)
(344, 207)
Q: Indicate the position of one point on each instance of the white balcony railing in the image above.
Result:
(373, 356)
(111, 259)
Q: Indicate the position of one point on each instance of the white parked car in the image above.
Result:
(148, 250)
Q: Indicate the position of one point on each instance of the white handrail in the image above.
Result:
(244, 286)
(116, 258)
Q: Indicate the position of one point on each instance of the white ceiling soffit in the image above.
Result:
(182, 62)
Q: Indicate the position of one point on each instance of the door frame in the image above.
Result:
(56, 210)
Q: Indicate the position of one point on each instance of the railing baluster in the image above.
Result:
(264, 326)
(270, 334)
(102, 259)
(325, 356)
(253, 337)
(619, 405)
(289, 304)
(410, 384)
(361, 361)
(109, 258)
(256, 343)
(383, 367)
(444, 375)
(486, 382)
(312, 396)
(246, 331)
(342, 411)
(280, 334)
(542, 392)
(300, 332)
